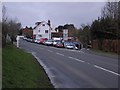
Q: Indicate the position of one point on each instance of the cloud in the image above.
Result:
(58, 12)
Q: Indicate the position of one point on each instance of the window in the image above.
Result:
(40, 35)
(43, 25)
(46, 31)
(39, 30)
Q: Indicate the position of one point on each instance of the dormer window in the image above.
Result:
(43, 25)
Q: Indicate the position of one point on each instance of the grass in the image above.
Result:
(101, 52)
(21, 70)
(0, 67)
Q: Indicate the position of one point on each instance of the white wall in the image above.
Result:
(42, 31)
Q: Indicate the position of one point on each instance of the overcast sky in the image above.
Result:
(59, 13)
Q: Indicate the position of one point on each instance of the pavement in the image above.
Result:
(68, 68)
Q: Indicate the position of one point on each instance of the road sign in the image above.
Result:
(65, 34)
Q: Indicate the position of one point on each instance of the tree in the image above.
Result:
(0, 34)
(119, 20)
(110, 13)
(106, 27)
(20, 32)
(110, 10)
(56, 29)
(84, 35)
(72, 31)
(60, 28)
(4, 17)
(4, 25)
(13, 30)
(9, 27)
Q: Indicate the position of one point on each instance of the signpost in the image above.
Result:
(65, 34)
(18, 40)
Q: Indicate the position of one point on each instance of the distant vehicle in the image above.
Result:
(37, 40)
(24, 38)
(69, 45)
(59, 44)
(29, 40)
(42, 40)
(49, 42)
(55, 42)
(77, 45)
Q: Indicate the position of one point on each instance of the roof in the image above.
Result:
(38, 23)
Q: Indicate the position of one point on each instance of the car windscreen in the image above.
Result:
(69, 43)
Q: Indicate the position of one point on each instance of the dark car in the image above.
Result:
(77, 45)
(69, 45)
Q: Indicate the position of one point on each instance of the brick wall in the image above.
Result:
(27, 32)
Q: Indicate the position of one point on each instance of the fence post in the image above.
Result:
(17, 41)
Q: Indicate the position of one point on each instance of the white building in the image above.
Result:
(42, 30)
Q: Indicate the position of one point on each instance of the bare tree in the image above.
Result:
(4, 25)
(0, 34)
(10, 27)
(4, 17)
(14, 27)
(110, 10)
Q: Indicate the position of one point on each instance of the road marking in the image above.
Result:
(106, 70)
(60, 54)
(76, 59)
(50, 51)
(72, 50)
(89, 63)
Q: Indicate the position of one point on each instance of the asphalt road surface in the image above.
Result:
(75, 68)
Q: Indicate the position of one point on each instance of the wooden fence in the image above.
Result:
(107, 45)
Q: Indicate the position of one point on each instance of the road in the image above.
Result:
(75, 68)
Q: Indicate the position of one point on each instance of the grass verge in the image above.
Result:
(104, 53)
(21, 70)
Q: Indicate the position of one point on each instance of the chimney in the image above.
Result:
(49, 22)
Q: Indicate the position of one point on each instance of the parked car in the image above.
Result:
(59, 44)
(77, 45)
(29, 40)
(49, 42)
(37, 40)
(69, 45)
(24, 38)
(55, 42)
(42, 40)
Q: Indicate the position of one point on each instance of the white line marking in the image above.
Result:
(106, 70)
(50, 51)
(47, 70)
(88, 63)
(70, 57)
(76, 59)
(64, 49)
(60, 54)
